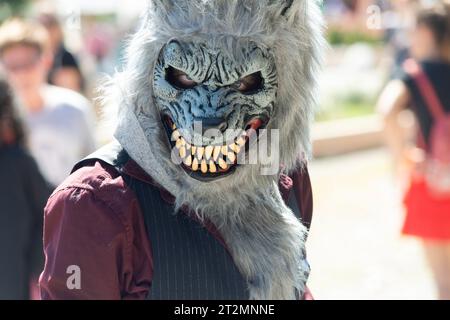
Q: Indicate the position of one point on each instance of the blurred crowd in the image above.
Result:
(43, 118)
(47, 123)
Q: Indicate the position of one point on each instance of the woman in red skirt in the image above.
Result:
(425, 89)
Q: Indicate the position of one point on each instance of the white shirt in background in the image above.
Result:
(62, 133)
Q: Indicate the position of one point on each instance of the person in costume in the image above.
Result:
(183, 204)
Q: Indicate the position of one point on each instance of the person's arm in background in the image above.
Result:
(37, 191)
(393, 101)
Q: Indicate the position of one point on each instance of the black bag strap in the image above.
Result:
(426, 88)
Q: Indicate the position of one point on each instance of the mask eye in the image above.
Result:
(251, 83)
(179, 79)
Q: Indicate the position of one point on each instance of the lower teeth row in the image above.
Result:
(208, 159)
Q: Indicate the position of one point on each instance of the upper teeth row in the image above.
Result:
(209, 158)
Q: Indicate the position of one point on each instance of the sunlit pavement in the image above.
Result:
(355, 247)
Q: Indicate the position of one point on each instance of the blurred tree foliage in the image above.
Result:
(10, 8)
(351, 106)
(340, 37)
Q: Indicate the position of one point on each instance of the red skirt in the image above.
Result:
(427, 216)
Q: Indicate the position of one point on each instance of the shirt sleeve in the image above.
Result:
(308, 295)
(304, 194)
(91, 250)
(83, 248)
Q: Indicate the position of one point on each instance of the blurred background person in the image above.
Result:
(61, 121)
(428, 214)
(65, 71)
(23, 194)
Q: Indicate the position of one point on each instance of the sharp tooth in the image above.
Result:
(231, 157)
(174, 126)
(194, 150)
(208, 152)
(183, 142)
(223, 164)
(212, 167)
(188, 161)
(178, 144)
(183, 152)
(224, 150)
(176, 135)
(240, 142)
(216, 153)
(204, 166)
(235, 148)
(195, 164)
(200, 152)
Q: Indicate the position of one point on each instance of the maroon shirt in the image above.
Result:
(93, 221)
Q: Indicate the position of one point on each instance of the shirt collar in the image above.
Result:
(132, 169)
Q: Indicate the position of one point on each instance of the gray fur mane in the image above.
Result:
(265, 238)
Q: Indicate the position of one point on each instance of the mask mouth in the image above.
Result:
(211, 162)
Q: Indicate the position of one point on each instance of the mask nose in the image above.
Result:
(213, 123)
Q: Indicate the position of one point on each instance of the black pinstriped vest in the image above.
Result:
(189, 263)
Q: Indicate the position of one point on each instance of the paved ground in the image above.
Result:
(355, 247)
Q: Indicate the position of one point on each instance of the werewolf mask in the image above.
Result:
(202, 79)
(229, 98)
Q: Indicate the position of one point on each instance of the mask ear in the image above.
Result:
(287, 5)
(162, 5)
